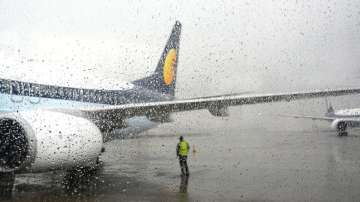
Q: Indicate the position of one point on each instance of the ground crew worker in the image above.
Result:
(182, 151)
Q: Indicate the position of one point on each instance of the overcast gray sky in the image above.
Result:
(227, 46)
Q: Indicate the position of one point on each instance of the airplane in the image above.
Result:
(48, 127)
(340, 119)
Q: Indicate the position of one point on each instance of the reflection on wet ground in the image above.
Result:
(184, 183)
(238, 162)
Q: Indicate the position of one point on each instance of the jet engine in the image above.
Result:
(43, 140)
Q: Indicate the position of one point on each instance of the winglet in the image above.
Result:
(329, 108)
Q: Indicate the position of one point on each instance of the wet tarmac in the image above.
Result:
(249, 156)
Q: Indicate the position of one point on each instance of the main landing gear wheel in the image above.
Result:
(342, 126)
(342, 133)
(82, 178)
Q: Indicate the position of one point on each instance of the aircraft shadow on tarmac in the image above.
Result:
(83, 183)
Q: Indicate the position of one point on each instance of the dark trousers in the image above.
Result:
(183, 165)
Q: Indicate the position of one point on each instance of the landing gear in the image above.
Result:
(341, 128)
(7, 180)
(342, 133)
(82, 178)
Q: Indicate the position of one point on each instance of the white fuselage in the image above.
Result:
(355, 112)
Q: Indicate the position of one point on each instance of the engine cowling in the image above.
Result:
(45, 140)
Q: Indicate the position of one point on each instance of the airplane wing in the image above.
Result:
(351, 121)
(322, 118)
(216, 105)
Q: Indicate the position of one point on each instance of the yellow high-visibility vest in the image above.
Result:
(183, 148)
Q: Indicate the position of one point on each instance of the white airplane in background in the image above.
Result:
(46, 127)
(340, 119)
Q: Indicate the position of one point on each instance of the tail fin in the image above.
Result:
(163, 80)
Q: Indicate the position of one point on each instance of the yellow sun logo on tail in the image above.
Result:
(169, 67)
